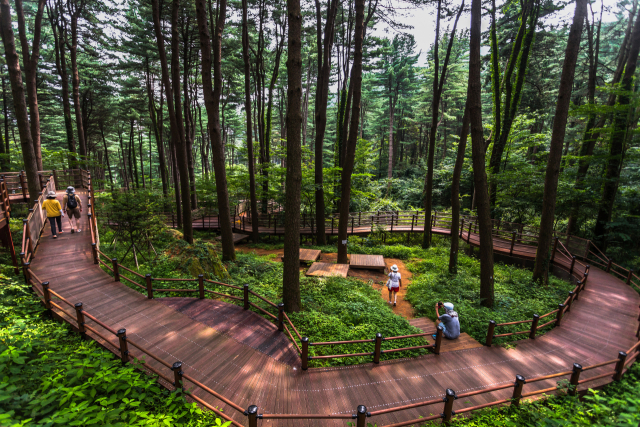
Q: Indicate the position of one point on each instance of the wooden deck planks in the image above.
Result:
(371, 262)
(240, 360)
(325, 269)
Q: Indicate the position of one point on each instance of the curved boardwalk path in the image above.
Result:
(250, 363)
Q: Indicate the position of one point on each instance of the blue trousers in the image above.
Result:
(52, 221)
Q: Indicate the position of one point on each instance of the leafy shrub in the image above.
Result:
(49, 376)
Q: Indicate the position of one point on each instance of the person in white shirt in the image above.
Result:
(394, 283)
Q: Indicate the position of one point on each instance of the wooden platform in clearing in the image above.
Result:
(237, 237)
(370, 262)
(309, 255)
(463, 342)
(325, 269)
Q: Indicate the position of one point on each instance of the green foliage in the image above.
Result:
(51, 377)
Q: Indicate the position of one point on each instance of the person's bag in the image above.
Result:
(72, 203)
(389, 284)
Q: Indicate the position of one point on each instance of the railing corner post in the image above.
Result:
(361, 416)
(517, 390)
(575, 377)
(609, 265)
(305, 353)
(449, 397)
(281, 317)
(124, 347)
(436, 350)
(94, 249)
(490, 332)
(534, 327)
(573, 263)
(147, 278)
(559, 315)
(80, 319)
(578, 289)
(378, 348)
(572, 295)
(622, 358)
(177, 375)
(252, 415)
(629, 276)
(116, 270)
(246, 296)
(201, 285)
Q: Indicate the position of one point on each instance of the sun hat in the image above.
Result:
(70, 189)
(51, 195)
(448, 306)
(394, 268)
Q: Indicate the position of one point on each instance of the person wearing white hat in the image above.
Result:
(394, 283)
(54, 213)
(73, 208)
(450, 321)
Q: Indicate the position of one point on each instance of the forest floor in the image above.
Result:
(378, 278)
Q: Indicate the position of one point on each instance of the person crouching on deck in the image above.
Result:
(54, 213)
(449, 320)
(394, 283)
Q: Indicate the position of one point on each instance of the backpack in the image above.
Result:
(72, 203)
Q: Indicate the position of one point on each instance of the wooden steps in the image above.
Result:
(463, 342)
(325, 269)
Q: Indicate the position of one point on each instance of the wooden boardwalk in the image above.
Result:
(245, 360)
(369, 262)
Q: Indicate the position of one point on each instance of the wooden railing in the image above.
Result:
(33, 224)
(5, 230)
(88, 325)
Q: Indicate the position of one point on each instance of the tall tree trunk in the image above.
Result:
(347, 170)
(438, 85)
(177, 132)
(75, 9)
(291, 270)
(106, 151)
(621, 120)
(541, 268)
(19, 103)
(322, 98)
(30, 69)
(212, 104)
(455, 192)
(247, 107)
(478, 157)
(157, 133)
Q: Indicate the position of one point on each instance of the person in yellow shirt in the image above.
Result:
(54, 213)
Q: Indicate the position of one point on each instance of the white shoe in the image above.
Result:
(78, 230)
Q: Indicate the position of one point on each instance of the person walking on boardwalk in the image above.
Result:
(394, 283)
(54, 213)
(73, 208)
(450, 321)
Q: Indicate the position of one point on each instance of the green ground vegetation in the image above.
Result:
(52, 377)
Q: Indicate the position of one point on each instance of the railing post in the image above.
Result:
(352, 221)
(517, 390)
(572, 295)
(461, 226)
(252, 415)
(469, 233)
(94, 249)
(534, 327)
(513, 242)
(246, 297)
(378, 348)
(80, 319)
(559, 315)
(27, 275)
(578, 289)
(47, 299)
(305, 353)
(281, 317)
(361, 416)
(436, 350)
(147, 279)
(609, 265)
(449, 397)
(490, 332)
(629, 276)
(555, 246)
(124, 347)
(575, 377)
(177, 375)
(201, 285)
(116, 270)
(573, 262)
(332, 218)
(622, 358)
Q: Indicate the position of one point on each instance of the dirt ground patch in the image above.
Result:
(379, 278)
